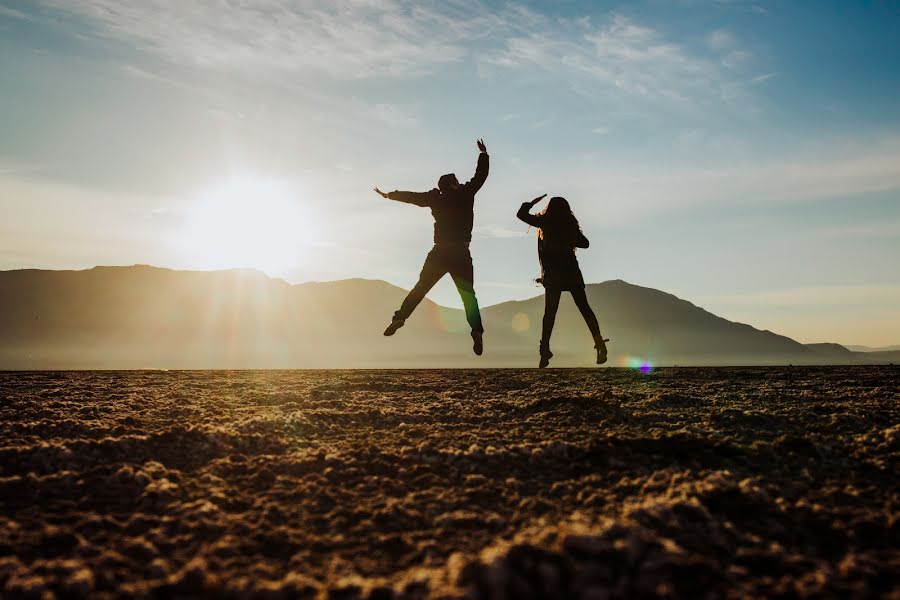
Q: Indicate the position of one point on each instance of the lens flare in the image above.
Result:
(521, 323)
(636, 363)
(446, 321)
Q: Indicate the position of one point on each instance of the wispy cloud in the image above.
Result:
(762, 78)
(358, 39)
(494, 230)
(732, 54)
(866, 231)
(721, 39)
(19, 168)
(636, 191)
(12, 13)
(346, 38)
(394, 115)
(618, 55)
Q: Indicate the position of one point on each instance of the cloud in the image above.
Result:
(631, 192)
(494, 230)
(394, 115)
(17, 168)
(867, 231)
(731, 54)
(721, 39)
(344, 38)
(359, 39)
(12, 13)
(762, 78)
(618, 57)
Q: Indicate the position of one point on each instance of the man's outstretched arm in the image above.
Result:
(417, 198)
(481, 172)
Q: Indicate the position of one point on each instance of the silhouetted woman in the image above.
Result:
(558, 235)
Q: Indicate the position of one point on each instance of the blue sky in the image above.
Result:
(742, 155)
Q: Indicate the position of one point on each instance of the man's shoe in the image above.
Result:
(601, 351)
(477, 342)
(394, 326)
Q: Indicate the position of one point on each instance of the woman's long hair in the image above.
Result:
(559, 227)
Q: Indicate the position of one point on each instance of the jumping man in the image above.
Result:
(451, 205)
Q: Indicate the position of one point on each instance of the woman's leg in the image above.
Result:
(551, 305)
(581, 302)
(590, 318)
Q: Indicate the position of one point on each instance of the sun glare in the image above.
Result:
(246, 222)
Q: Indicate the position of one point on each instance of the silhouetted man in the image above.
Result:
(451, 205)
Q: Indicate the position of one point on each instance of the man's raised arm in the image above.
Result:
(481, 172)
(417, 198)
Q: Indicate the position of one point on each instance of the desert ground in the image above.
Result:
(593, 483)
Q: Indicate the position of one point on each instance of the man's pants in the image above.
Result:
(446, 258)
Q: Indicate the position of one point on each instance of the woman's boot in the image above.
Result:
(600, 345)
(546, 355)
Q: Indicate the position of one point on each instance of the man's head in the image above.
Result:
(448, 183)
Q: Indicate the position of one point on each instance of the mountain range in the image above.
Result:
(149, 317)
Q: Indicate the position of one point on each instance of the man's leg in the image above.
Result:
(463, 276)
(432, 271)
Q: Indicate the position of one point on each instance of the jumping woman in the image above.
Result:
(558, 235)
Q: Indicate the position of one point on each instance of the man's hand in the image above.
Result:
(481, 145)
(538, 199)
(380, 193)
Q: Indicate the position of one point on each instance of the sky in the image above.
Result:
(744, 156)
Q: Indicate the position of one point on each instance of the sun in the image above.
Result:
(246, 222)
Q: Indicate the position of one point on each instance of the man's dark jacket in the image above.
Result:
(452, 211)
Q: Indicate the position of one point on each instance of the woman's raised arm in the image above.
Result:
(524, 215)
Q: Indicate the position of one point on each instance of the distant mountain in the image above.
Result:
(829, 349)
(147, 317)
(644, 325)
(886, 357)
(855, 348)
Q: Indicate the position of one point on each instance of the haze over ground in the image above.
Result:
(743, 155)
(145, 317)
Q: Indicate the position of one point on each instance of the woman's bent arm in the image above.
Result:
(524, 215)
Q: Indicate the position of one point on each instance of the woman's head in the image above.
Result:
(559, 222)
(557, 205)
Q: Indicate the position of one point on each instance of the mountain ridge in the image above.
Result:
(143, 316)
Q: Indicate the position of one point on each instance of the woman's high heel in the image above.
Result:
(601, 350)
(546, 355)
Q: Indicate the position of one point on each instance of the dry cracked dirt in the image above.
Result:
(604, 483)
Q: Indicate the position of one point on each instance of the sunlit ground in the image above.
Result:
(453, 484)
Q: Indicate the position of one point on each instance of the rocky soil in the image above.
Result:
(603, 483)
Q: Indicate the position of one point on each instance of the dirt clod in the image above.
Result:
(590, 484)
